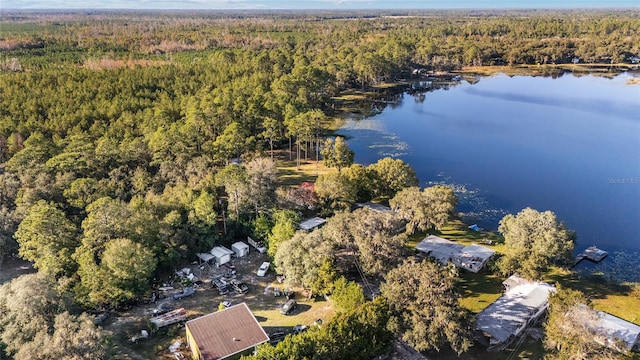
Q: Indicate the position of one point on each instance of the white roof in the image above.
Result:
(442, 249)
(205, 256)
(615, 328)
(312, 223)
(220, 251)
(513, 309)
(374, 207)
(239, 245)
(477, 251)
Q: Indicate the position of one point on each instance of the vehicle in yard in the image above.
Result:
(300, 328)
(226, 303)
(276, 291)
(218, 282)
(188, 291)
(288, 307)
(223, 290)
(239, 287)
(229, 270)
(258, 245)
(169, 318)
(262, 271)
(162, 308)
(100, 318)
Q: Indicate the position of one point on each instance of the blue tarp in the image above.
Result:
(475, 227)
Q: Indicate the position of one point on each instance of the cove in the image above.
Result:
(569, 144)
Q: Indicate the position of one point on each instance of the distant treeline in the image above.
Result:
(393, 40)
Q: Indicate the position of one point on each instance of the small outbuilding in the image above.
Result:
(225, 334)
(205, 257)
(240, 249)
(311, 224)
(221, 254)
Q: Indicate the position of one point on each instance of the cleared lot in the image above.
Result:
(260, 298)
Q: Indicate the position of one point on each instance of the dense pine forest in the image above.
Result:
(120, 132)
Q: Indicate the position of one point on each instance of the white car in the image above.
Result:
(262, 271)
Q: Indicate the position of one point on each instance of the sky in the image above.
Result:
(313, 4)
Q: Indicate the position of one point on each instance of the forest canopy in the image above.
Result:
(141, 129)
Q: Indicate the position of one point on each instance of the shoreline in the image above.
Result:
(550, 69)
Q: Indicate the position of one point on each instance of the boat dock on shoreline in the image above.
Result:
(591, 253)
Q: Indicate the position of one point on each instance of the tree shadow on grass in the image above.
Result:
(593, 286)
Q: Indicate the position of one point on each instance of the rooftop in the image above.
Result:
(226, 332)
(374, 207)
(441, 249)
(615, 328)
(312, 223)
(513, 309)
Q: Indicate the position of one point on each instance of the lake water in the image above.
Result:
(568, 144)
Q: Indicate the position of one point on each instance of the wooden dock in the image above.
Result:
(591, 253)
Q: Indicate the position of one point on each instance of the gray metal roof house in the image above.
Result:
(616, 331)
(472, 257)
(505, 319)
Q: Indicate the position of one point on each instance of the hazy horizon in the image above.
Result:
(310, 5)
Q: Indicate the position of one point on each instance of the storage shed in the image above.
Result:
(221, 254)
(240, 249)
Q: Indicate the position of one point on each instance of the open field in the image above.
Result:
(289, 174)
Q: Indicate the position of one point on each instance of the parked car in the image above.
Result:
(226, 304)
(262, 271)
(300, 328)
(218, 282)
(223, 290)
(239, 287)
(188, 291)
(288, 307)
(100, 318)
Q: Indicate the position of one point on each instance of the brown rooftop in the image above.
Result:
(226, 332)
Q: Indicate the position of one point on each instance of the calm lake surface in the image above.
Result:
(568, 144)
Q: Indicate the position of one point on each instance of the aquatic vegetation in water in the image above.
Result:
(472, 203)
(619, 266)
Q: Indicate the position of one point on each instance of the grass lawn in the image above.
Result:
(614, 299)
(289, 174)
(479, 290)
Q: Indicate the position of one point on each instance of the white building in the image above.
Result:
(240, 249)
(221, 254)
(312, 223)
(505, 319)
(473, 257)
(615, 332)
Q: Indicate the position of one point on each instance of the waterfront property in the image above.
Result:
(616, 333)
(473, 257)
(225, 334)
(507, 318)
